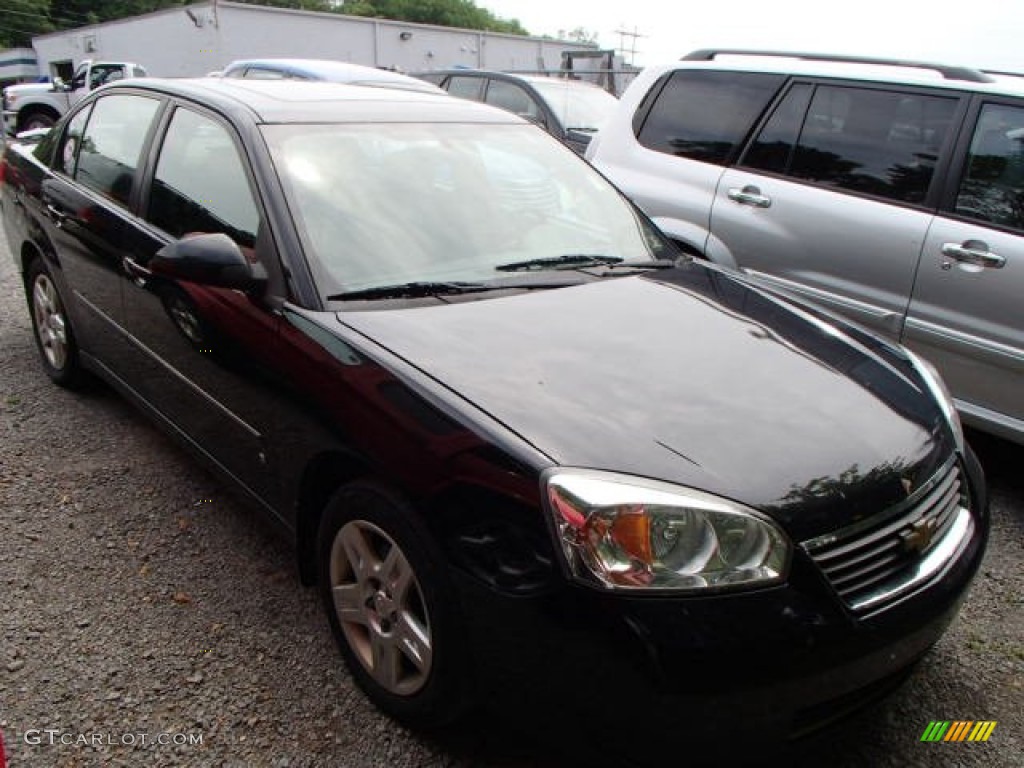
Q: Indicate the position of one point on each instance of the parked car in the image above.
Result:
(518, 440)
(570, 110)
(892, 192)
(322, 69)
(31, 106)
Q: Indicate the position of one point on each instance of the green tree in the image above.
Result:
(21, 20)
(446, 13)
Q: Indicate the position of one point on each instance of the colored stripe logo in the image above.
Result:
(958, 730)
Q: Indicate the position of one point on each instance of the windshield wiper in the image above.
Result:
(645, 264)
(565, 261)
(583, 261)
(412, 290)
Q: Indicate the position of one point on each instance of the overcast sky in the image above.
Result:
(980, 33)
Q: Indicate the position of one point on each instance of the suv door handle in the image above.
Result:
(750, 195)
(973, 252)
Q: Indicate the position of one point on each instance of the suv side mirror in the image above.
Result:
(60, 85)
(209, 259)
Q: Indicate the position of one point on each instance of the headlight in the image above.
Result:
(937, 388)
(631, 533)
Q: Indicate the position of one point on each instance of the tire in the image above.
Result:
(34, 120)
(51, 327)
(392, 608)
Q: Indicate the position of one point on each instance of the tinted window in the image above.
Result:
(466, 87)
(880, 143)
(511, 97)
(704, 115)
(68, 156)
(112, 143)
(200, 183)
(993, 185)
(773, 147)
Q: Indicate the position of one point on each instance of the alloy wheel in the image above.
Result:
(51, 325)
(380, 607)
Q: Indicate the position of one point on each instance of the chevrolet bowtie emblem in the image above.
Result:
(920, 535)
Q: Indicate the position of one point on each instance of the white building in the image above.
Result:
(195, 39)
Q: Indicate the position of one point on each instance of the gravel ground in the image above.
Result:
(140, 601)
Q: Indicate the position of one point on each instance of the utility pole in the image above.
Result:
(631, 50)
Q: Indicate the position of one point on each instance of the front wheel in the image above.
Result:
(35, 120)
(54, 336)
(391, 606)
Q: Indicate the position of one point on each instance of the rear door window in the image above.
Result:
(112, 143)
(704, 115)
(875, 142)
(772, 150)
(992, 189)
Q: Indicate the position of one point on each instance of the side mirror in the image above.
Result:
(60, 85)
(212, 259)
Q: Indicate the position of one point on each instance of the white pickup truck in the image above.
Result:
(39, 105)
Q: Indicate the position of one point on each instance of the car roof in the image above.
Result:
(291, 101)
(933, 75)
(523, 76)
(335, 71)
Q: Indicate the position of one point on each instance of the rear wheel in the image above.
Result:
(391, 606)
(54, 336)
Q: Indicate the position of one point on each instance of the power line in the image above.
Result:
(634, 35)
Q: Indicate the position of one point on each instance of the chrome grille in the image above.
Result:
(871, 563)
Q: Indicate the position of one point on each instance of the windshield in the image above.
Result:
(386, 204)
(578, 106)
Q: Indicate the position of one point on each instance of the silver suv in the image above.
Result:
(890, 191)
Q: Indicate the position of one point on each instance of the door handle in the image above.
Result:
(750, 195)
(973, 252)
(56, 214)
(138, 273)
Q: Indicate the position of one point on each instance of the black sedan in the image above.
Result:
(515, 437)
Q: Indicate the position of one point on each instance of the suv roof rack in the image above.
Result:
(947, 72)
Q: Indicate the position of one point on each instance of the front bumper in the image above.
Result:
(717, 674)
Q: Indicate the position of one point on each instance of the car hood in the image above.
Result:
(21, 89)
(692, 377)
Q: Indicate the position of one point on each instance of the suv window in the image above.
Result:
(704, 115)
(881, 143)
(200, 183)
(112, 143)
(772, 150)
(993, 185)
